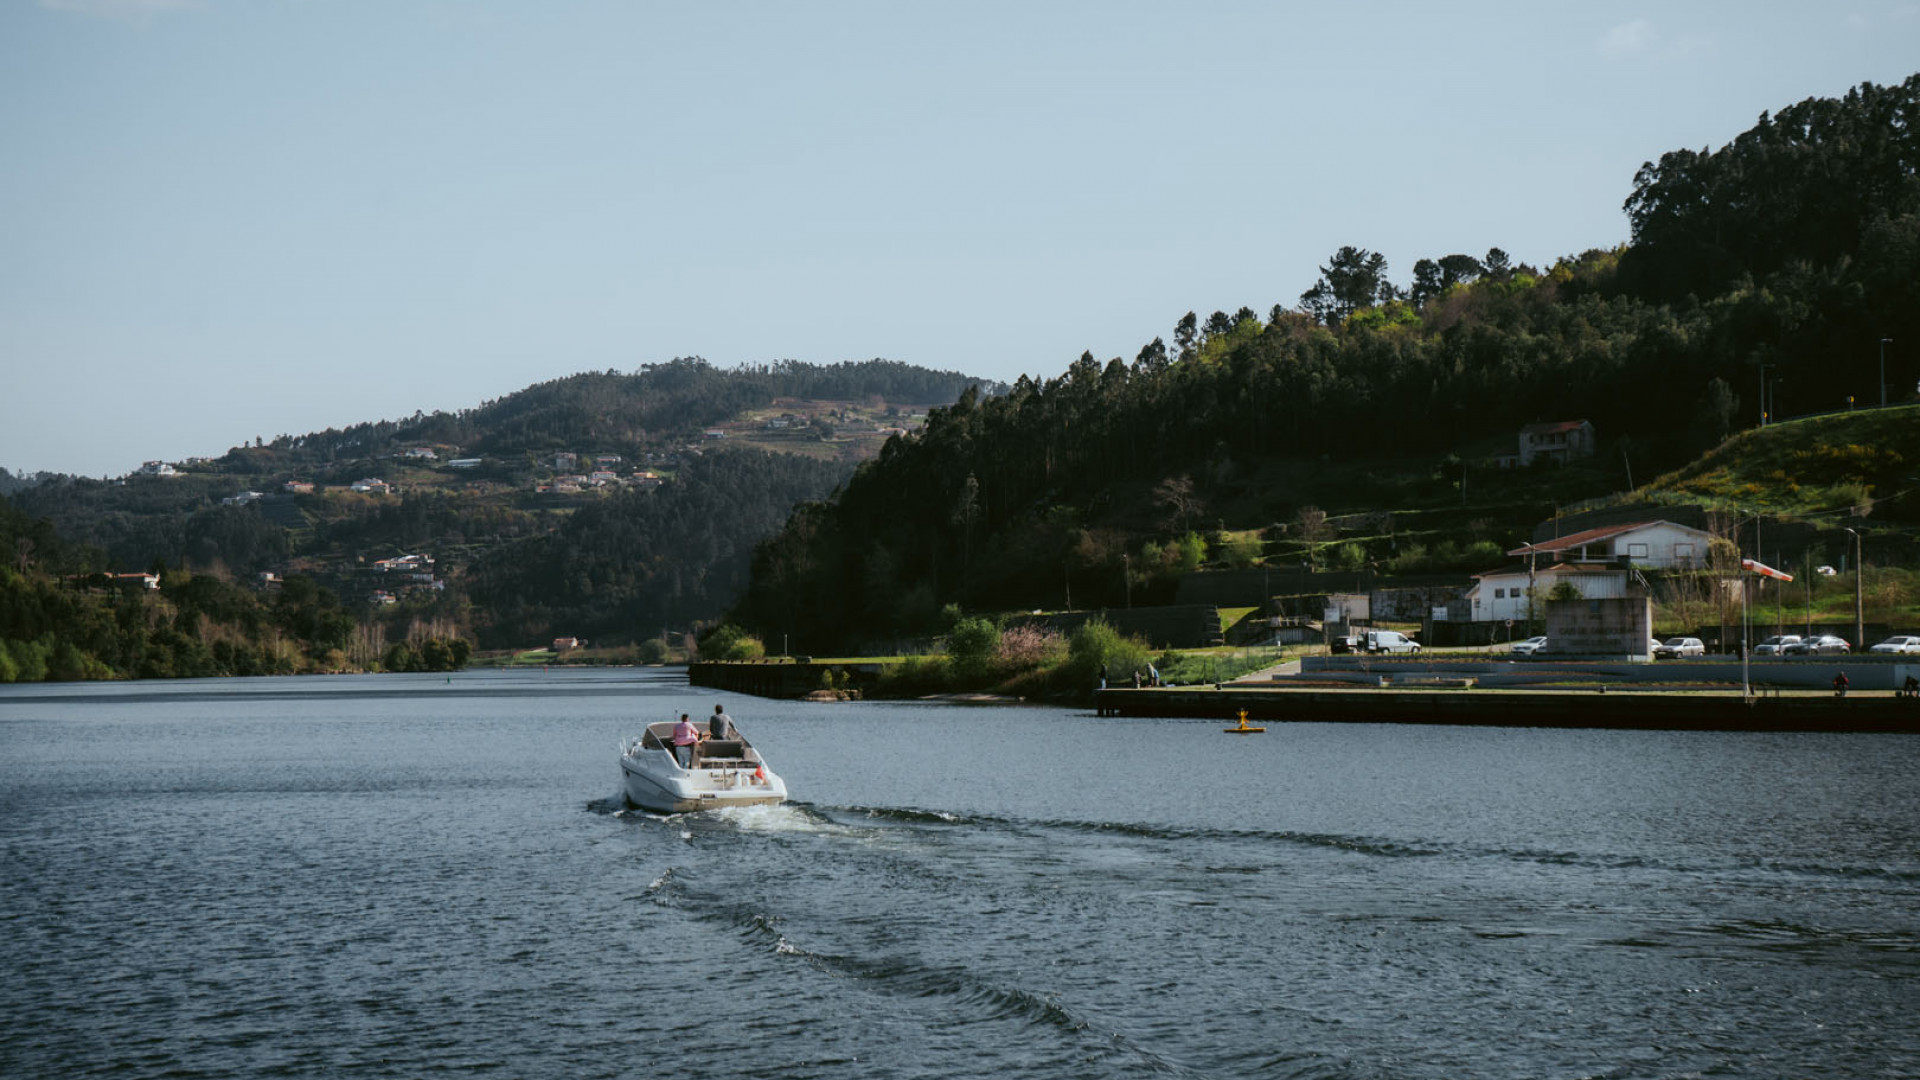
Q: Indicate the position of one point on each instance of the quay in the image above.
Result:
(1573, 708)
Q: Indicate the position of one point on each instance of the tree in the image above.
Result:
(1313, 530)
(1352, 279)
(1498, 266)
(1426, 281)
(1176, 496)
(1186, 335)
(970, 649)
(1153, 357)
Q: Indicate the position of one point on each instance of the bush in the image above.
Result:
(1026, 647)
(729, 642)
(970, 650)
(652, 651)
(1097, 650)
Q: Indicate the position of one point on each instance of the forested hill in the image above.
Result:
(601, 506)
(1777, 263)
(623, 413)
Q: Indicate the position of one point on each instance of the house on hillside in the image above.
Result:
(156, 468)
(372, 485)
(421, 453)
(1562, 440)
(298, 487)
(1659, 545)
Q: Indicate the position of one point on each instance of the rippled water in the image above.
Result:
(403, 876)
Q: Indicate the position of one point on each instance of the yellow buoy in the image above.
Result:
(1243, 729)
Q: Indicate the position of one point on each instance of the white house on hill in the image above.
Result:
(1660, 545)
(1559, 441)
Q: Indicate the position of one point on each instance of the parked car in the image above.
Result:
(1776, 645)
(1820, 645)
(1530, 646)
(1824, 571)
(1901, 644)
(1679, 646)
(1390, 641)
(1343, 643)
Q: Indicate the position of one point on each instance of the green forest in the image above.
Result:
(1772, 267)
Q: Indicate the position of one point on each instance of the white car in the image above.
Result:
(1680, 646)
(1776, 645)
(1530, 646)
(1902, 644)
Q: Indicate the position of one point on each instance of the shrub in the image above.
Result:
(970, 650)
(1097, 650)
(729, 642)
(1027, 646)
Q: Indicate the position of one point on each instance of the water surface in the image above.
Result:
(406, 876)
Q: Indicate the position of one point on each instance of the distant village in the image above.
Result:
(561, 474)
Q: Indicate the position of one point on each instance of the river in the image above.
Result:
(406, 876)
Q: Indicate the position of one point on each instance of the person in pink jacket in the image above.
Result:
(685, 738)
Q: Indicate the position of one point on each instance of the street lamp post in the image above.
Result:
(1763, 394)
(1859, 609)
(1883, 371)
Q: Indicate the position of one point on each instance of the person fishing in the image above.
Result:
(1840, 685)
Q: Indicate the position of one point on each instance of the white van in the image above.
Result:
(1390, 641)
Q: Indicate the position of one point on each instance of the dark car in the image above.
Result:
(1344, 643)
(1820, 645)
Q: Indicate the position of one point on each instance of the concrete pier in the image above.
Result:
(1633, 709)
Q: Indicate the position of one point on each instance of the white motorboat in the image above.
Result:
(725, 772)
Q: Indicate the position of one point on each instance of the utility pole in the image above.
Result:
(1883, 372)
(1530, 626)
(1859, 609)
(1763, 394)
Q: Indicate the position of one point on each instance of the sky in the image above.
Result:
(222, 220)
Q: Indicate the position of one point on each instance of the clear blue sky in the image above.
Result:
(222, 219)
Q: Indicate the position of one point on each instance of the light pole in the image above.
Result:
(1883, 371)
(1859, 610)
(1763, 394)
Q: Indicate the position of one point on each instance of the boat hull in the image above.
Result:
(663, 787)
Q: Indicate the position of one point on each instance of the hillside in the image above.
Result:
(1403, 405)
(1864, 464)
(643, 493)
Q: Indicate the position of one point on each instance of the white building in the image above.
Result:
(1498, 595)
(1660, 545)
(1561, 441)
